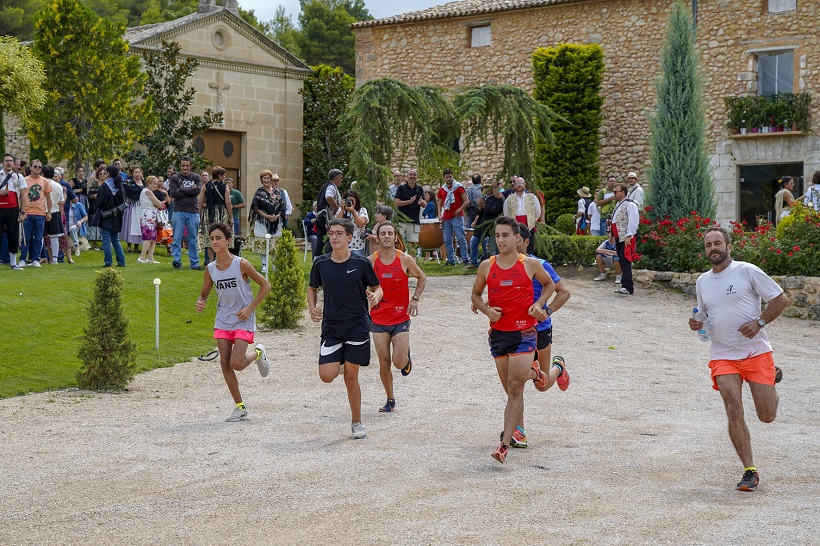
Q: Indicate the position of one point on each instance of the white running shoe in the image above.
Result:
(358, 431)
(262, 362)
(18, 267)
(601, 277)
(141, 261)
(35, 263)
(22, 263)
(237, 414)
(617, 279)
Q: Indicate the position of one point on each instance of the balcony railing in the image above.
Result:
(771, 114)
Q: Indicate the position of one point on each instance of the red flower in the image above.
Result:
(790, 253)
(647, 208)
(796, 249)
(779, 251)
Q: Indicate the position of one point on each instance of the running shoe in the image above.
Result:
(749, 481)
(500, 454)
(35, 264)
(519, 439)
(623, 291)
(237, 414)
(141, 261)
(358, 431)
(262, 360)
(17, 267)
(176, 265)
(407, 369)
(541, 380)
(562, 380)
(778, 375)
(389, 406)
(601, 277)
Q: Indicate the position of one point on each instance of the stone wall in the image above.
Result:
(631, 32)
(803, 292)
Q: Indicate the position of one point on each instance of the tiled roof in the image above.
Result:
(461, 8)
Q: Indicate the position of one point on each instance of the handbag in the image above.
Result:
(162, 217)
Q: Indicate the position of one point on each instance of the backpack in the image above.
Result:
(321, 208)
(583, 224)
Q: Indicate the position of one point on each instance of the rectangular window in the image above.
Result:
(779, 6)
(480, 36)
(775, 73)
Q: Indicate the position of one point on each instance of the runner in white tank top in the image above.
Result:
(235, 320)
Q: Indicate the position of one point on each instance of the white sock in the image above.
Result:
(55, 248)
(12, 259)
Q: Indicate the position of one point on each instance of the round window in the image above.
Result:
(219, 38)
(227, 148)
(199, 145)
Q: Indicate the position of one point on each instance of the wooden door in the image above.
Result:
(224, 149)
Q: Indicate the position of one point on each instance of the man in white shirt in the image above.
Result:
(813, 192)
(635, 192)
(625, 220)
(525, 208)
(731, 294)
(12, 204)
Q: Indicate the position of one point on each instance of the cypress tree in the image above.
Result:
(568, 80)
(108, 356)
(284, 305)
(680, 181)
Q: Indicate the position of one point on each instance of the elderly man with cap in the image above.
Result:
(524, 207)
(636, 192)
(582, 216)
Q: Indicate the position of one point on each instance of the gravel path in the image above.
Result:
(635, 452)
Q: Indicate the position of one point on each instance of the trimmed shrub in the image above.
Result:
(566, 249)
(284, 305)
(565, 224)
(108, 356)
(568, 80)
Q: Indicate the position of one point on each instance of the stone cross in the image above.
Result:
(220, 86)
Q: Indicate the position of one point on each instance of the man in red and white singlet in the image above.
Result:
(513, 316)
(391, 317)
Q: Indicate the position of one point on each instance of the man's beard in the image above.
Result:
(717, 257)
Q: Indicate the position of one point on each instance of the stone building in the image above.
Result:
(745, 47)
(253, 81)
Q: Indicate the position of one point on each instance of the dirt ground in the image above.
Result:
(635, 452)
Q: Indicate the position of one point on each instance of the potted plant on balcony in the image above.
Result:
(801, 111)
(734, 114)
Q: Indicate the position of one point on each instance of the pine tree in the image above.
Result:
(284, 305)
(93, 107)
(680, 181)
(568, 80)
(108, 356)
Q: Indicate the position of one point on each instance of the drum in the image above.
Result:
(430, 235)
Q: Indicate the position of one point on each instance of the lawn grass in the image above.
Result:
(45, 313)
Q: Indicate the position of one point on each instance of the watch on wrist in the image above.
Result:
(549, 310)
(415, 298)
(761, 322)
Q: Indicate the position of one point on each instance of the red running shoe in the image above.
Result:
(541, 380)
(563, 379)
(500, 454)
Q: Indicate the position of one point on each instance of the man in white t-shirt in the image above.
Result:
(635, 192)
(731, 294)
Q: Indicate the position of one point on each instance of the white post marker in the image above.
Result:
(267, 254)
(156, 316)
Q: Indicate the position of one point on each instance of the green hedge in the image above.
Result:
(566, 249)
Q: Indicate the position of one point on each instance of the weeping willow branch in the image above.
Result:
(385, 119)
(510, 118)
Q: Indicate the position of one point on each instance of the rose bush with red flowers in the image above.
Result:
(677, 245)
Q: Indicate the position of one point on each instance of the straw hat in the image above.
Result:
(584, 192)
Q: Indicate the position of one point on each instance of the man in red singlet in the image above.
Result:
(513, 316)
(391, 317)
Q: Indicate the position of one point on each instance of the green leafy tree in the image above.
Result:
(385, 119)
(107, 354)
(325, 95)
(325, 36)
(281, 30)
(508, 117)
(172, 135)
(568, 80)
(17, 17)
(21, 89)
(93, 108)
(284, 305)
(679, 179)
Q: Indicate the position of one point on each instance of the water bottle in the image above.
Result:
(705, 333)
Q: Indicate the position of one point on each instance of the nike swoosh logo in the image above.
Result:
(327, 351)
(351, 270)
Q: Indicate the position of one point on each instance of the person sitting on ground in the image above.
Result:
(606, 255)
